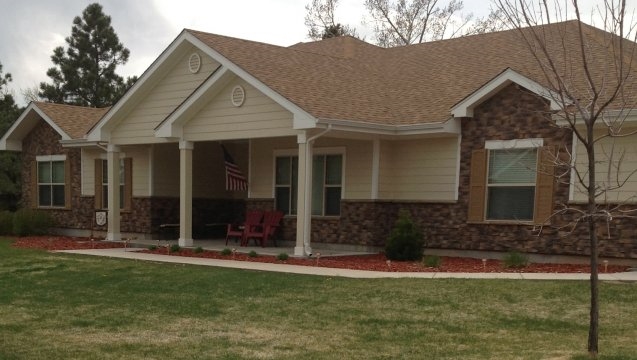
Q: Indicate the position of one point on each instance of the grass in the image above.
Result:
(61, 306)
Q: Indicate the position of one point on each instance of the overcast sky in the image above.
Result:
(31, 29)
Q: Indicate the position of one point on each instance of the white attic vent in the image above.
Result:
(194, 63)
(238, 96)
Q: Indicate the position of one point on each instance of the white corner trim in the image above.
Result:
(375, 167)
(465, 107)
(456, 191)
(513, 144)
(571, 186)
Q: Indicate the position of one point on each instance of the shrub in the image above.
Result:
(31, 222)
(152, 247)
(198, 250)
(226, 252)
(282, 256)
(175, 248)
(406, 240)
(515, 260)
(6, 223)
(253, 254)
(432, 261)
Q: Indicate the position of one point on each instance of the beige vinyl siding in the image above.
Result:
(422, 169)
(358, 165)
(385, 184)
(139, 125)
(259, 116)
(624, 148)
(357, 158)
(88, 170)
(262, 163)
(141, 169)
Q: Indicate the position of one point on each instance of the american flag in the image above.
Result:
(235, 180)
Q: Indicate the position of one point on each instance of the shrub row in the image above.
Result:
(25, 222)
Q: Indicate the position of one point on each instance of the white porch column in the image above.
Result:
(304, 198)
(185, 193)
(112, 164)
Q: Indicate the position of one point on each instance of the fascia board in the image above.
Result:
(465, 107)
(301, 118)
(624, 116)
(12, 139)
(172, 126)
(100, 132)
(451, 126)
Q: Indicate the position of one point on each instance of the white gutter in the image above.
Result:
(450, 126)
(307, 197)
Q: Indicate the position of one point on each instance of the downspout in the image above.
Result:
(308, 194)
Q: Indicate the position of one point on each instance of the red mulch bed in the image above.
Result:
(376, 262)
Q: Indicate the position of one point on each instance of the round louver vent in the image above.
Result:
(194, 63)
(238, 96)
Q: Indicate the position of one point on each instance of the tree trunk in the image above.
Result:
(593, 329)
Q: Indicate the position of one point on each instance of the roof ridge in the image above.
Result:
(47, 103)
(233, 38)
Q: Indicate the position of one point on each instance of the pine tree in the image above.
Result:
(9, 162)
(85, 72)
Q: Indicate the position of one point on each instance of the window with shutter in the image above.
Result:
(125, 184)
(511, 181)
(511, 184)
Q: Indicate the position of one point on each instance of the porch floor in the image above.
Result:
(220, 244)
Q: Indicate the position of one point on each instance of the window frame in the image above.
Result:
(490, 185)
(545, 181)
(323, 151)
(50, 159)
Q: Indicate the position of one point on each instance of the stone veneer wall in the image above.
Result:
(513, 113)
(146, 213)
(43, 140)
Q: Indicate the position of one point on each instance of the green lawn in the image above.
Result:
(60, 306)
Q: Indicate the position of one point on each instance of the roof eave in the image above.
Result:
(450, 126)
(12, 139)
(465, 107)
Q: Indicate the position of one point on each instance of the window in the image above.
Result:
(327, 175)
(512, 181)
(51, 183)
(511, 184)
(285, 186)
(101, 183)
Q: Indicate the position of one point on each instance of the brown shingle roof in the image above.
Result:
(73, 120)
(347, 79)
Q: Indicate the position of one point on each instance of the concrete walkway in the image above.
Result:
(323, 271)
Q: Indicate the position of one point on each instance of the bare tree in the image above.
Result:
(402, 22)
(321, 21)
(590, 76)
(31, 94)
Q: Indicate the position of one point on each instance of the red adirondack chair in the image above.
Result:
(253, 218)
(263, 232)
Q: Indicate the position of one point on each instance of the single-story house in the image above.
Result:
(338, 134)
